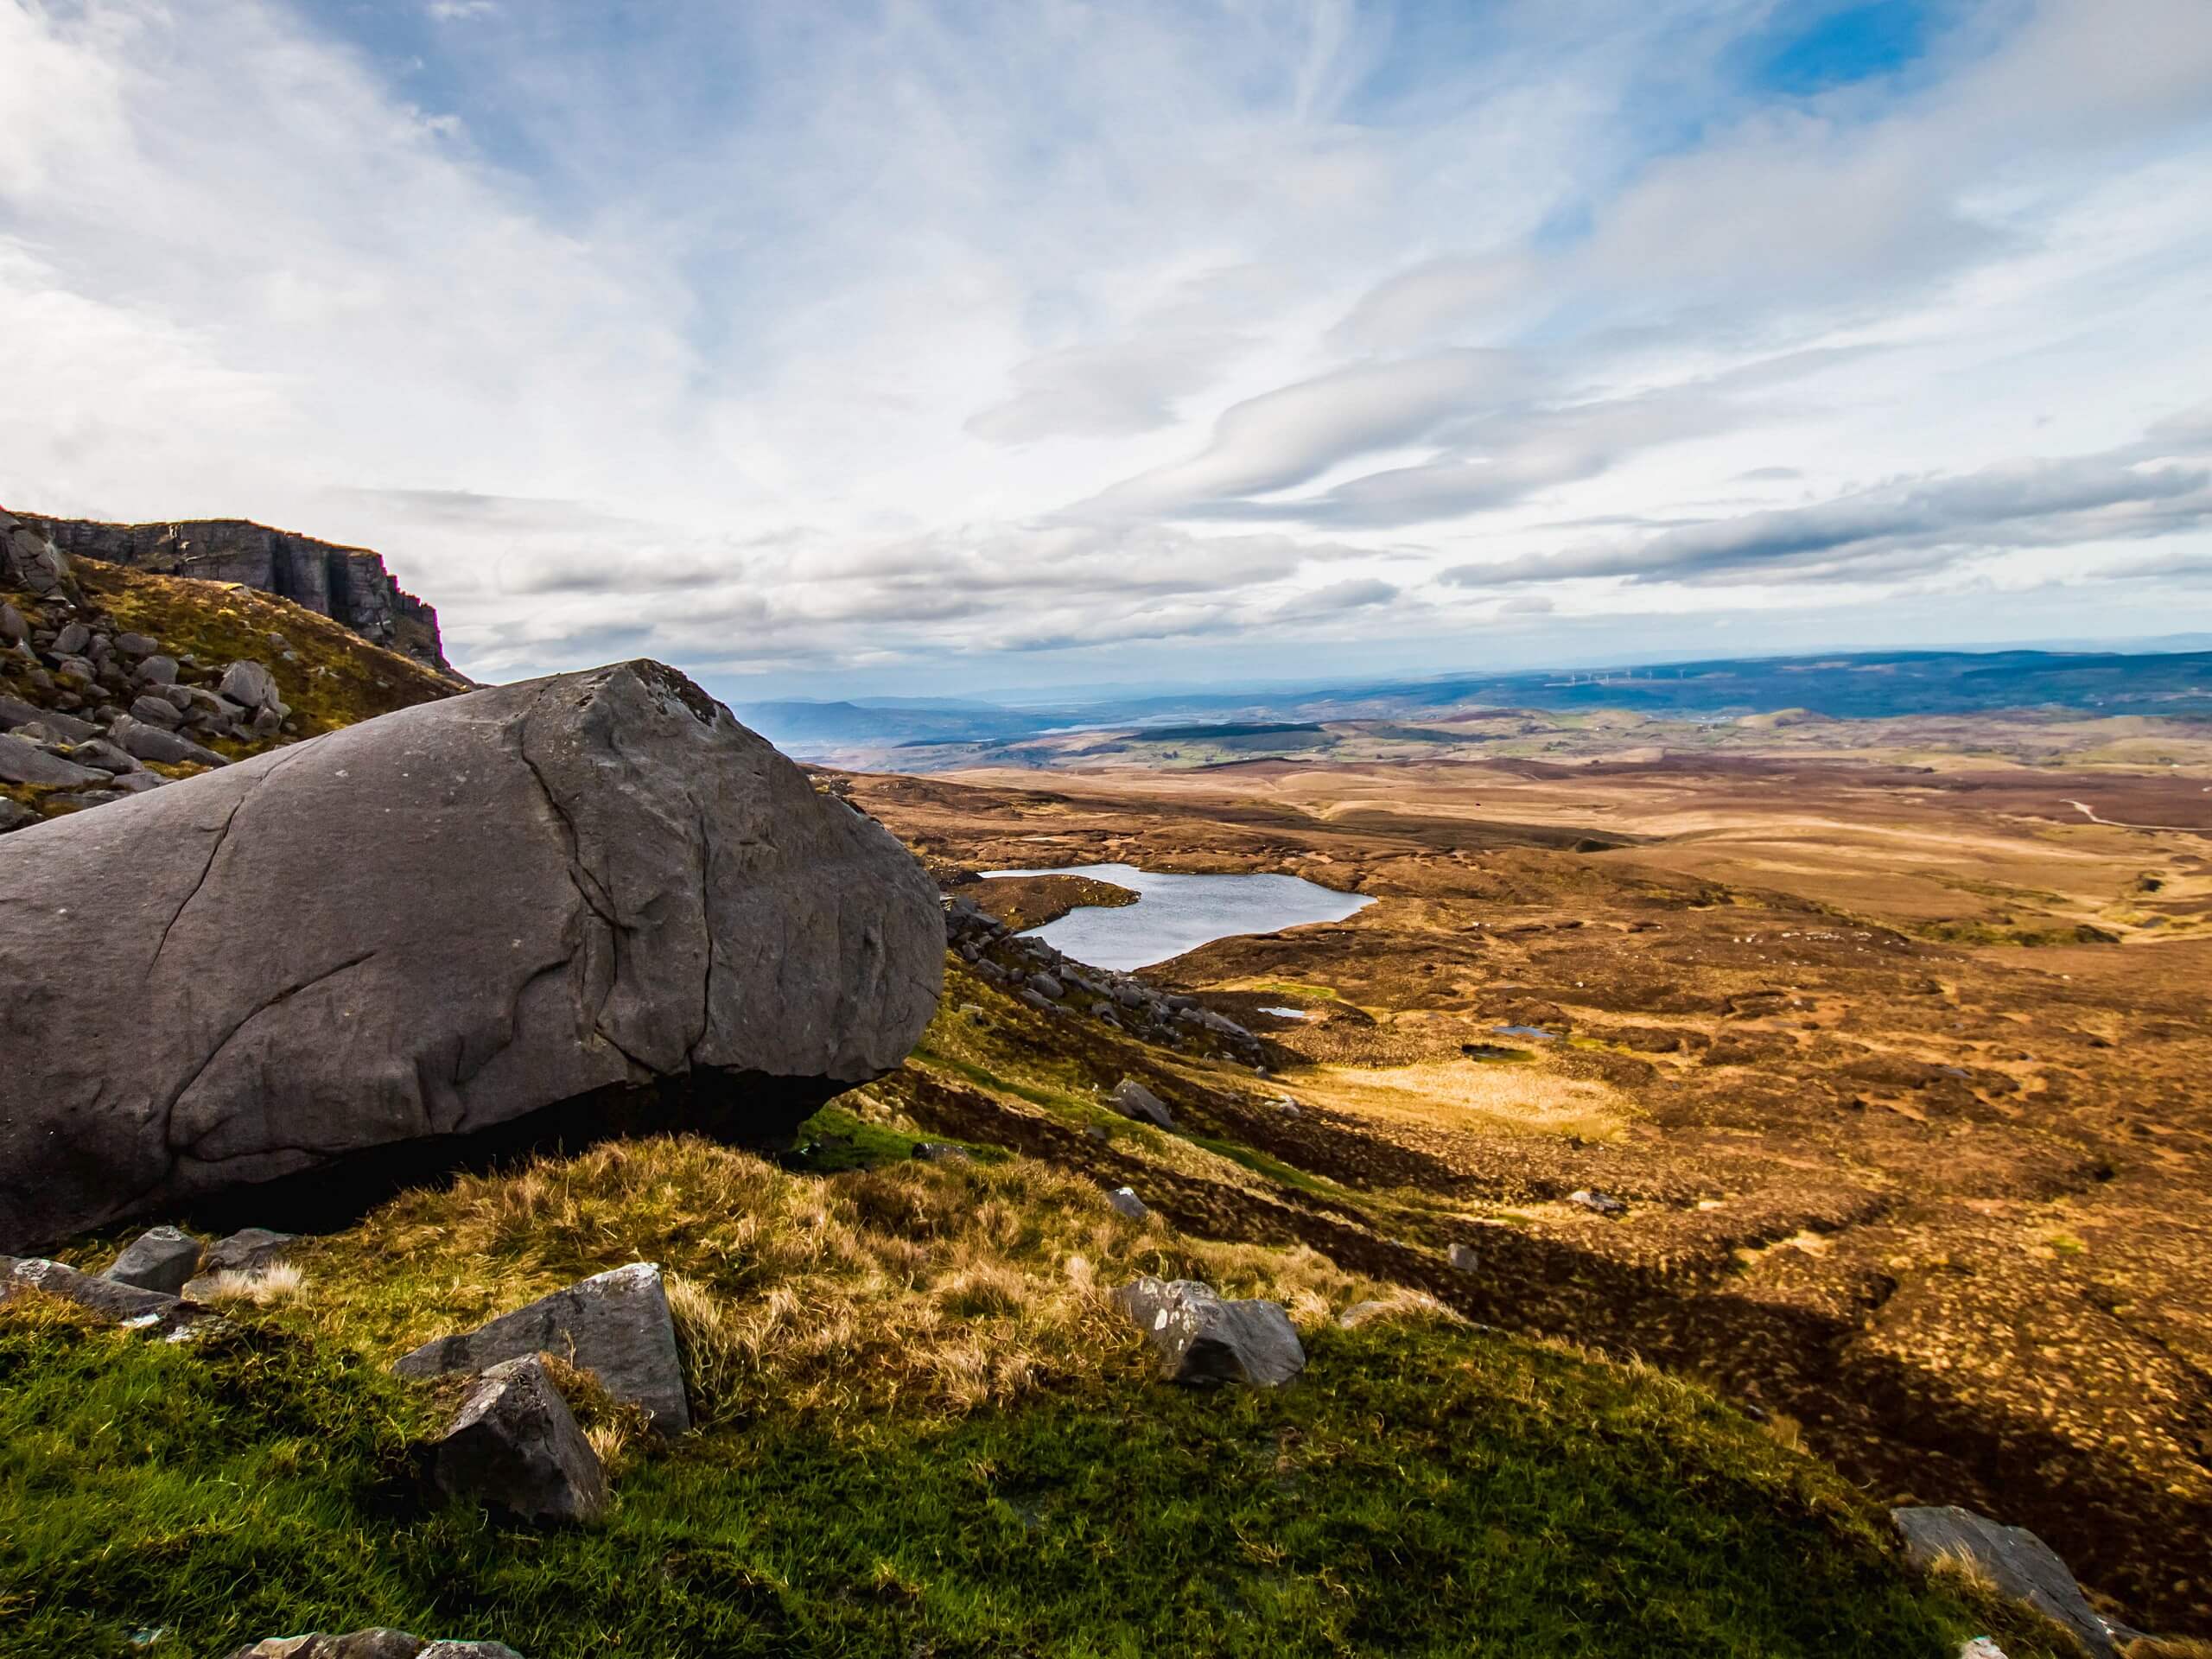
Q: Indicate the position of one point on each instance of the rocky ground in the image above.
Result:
(113, 682)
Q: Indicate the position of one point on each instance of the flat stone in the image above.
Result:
(119, 1301)
(158, 670)
(515, 1447)
(1202, 1340)
(359, 1644)
(160, 1258)
(1124, 1201)
(1132, 1099)
(2016, 1562)
(157, 711)
(26, 763)
(152, 743)
(103, 756)
(615, 1324)
(136, 645)
(71, 640)
(15, 713)
(14, 814)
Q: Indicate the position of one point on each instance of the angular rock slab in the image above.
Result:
(516, 1446)
(161, 1258)
(615, 1324)
(2016, 1561)
(568, 907)
(123, 1303)
(1132, 1099)
(1201, 1338)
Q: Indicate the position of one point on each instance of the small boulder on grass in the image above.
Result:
(1132, 1099)
(160, 1258)
(1201, 1338)
(371, 1644)
(1126, 1201)
(515, 1447)
(615, 1324)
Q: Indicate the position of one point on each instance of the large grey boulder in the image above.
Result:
(1201, 1338)
(615, 1324)
(2013, 1559)
(515, 1447)
(565, 908)
(161, 1258)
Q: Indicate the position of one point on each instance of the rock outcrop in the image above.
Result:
(615, 1324)
(346, 584)
(1201, 1337)
(571, 907)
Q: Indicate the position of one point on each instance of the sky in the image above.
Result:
(829, 349)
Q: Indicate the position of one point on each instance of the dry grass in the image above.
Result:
(1521, 1099)
(2168, 1647)
(945, 1287)
(280, 1282)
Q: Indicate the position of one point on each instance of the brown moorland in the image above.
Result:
(1896, 1066)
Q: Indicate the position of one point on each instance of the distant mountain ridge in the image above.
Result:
(1833, 685)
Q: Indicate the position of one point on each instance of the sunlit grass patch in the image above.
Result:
(1517, 1099)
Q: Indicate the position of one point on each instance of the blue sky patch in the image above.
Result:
(1813, 49)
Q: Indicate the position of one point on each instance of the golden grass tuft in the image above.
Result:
(280, 1282)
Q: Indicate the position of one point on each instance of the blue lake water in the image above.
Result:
(1175, 914)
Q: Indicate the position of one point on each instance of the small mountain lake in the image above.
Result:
(1175, 914)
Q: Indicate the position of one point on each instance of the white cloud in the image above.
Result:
(801, 336)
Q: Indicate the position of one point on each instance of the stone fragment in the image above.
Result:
(1132, 1099)
(14, 814)
(615, 1324)
(1465, 1259)
(515, 1447)
(160, 1258)
(1047, 986)
(104, 756)
(160, 669)
(1600, 1204)
(359, 1644)
(2018, 1562)
(136, 645)
(157, 711)
(1202, 1340)
(13, 630)
(1125, 1201)
(935, 1152)
(249, 685)
(71, 640)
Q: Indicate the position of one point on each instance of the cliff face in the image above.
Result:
(347, 584)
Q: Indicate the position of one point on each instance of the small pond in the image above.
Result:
(1175, 914)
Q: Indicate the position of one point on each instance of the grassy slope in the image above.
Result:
(924, 1433)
